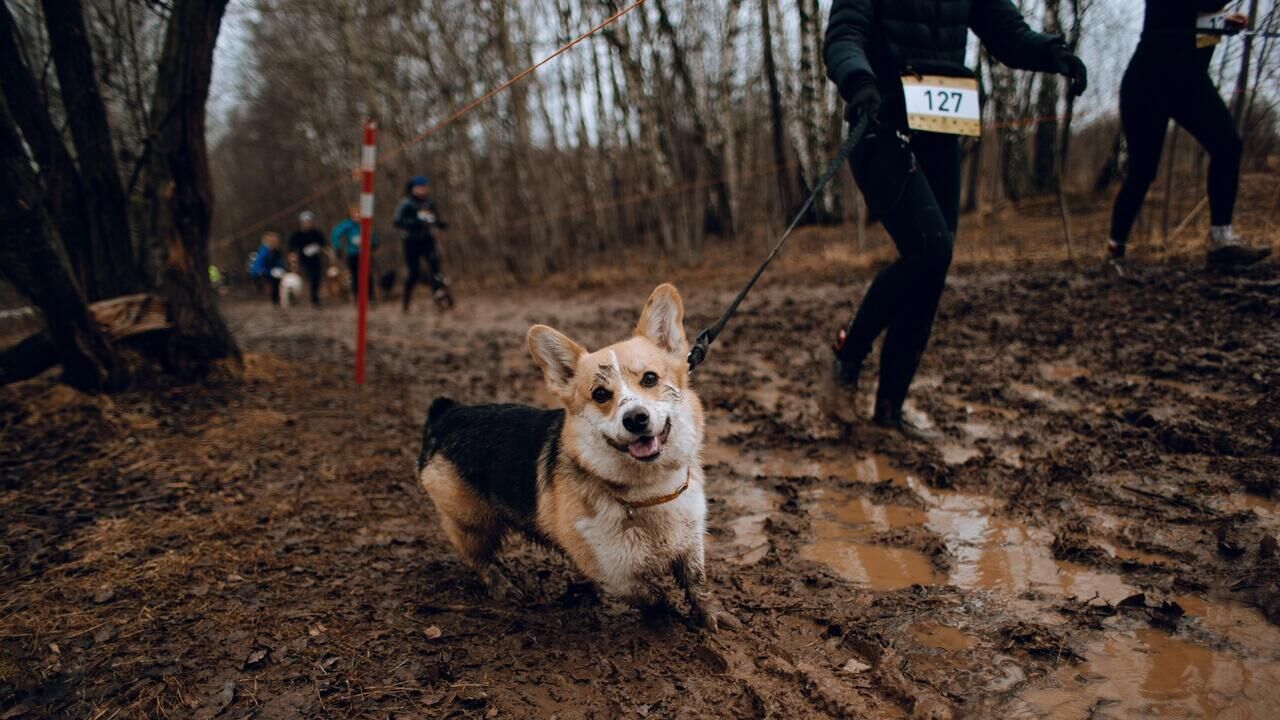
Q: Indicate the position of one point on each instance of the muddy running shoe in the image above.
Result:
(1115, 257)
(1226, 248)
(892, 419)
(1237, 254)
(838, 393)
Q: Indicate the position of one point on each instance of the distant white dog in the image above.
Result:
(290, 288)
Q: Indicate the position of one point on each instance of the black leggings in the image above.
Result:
(1151, 94)
(312, 267)
(414, 252)
(921, 219)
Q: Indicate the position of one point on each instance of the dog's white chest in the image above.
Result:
(628, 547)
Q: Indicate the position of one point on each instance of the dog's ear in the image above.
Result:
(662, 320)
(556, 354)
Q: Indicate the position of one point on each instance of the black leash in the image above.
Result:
(702, 345)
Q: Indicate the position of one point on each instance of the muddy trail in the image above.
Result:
(1094, 537)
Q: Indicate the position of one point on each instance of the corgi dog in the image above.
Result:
(613, 479)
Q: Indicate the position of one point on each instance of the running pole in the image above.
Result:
(368, 155)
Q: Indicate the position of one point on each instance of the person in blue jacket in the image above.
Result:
(268, 264)
(345, 239)
(419, 217)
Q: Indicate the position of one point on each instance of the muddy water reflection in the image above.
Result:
(1148, 673)
(991, 552)
(1128, 673)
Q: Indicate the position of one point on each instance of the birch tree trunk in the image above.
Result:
(778, 123)
(1045, 168)
(1242, 78)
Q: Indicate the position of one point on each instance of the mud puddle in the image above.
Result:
(1222, 662)
(988, 552)
(748, 509)
(782, 464)
(1149, 673)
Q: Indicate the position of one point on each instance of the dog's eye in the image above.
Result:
(649, 379)
(601, 395)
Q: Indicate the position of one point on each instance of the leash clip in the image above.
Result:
(701, 347)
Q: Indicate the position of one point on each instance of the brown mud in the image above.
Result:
(1094, 536)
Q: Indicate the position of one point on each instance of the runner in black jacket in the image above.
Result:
(1168, 78)
(911, 180)
(308, 243)
(418, 217)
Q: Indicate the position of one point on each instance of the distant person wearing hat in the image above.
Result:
(418, 217)
(307, 244)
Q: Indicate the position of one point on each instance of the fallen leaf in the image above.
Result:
(433, 633)
(103, 595)
(257, 658)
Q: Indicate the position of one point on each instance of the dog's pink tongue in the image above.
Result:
(644, 447)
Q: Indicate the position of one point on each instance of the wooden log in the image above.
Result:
(119, 318)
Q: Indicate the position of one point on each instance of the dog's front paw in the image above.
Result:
(711, 615)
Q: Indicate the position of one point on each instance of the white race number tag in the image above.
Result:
(311, 250)
(941, 104)
(1210, 21)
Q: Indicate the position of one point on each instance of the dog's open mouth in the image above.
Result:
(646, 448)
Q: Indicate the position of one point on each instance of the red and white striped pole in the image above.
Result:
(368, 157)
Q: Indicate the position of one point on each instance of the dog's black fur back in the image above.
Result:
(496, 449)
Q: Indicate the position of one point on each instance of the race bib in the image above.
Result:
(941, 104)
(426, 217)
(311, 250)
(1216, 22)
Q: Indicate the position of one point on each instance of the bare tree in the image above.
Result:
(33, 260)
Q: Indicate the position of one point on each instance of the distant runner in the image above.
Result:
(346, 244)
(307, 243)
(418, 216)
(1168, 78)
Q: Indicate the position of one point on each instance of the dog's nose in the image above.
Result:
(636, 420)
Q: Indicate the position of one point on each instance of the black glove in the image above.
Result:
(1074, 70)
(863, 100)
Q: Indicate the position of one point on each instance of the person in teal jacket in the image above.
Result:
(345, 239)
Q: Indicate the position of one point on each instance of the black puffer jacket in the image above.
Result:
(1168, 30)
(879, 40)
